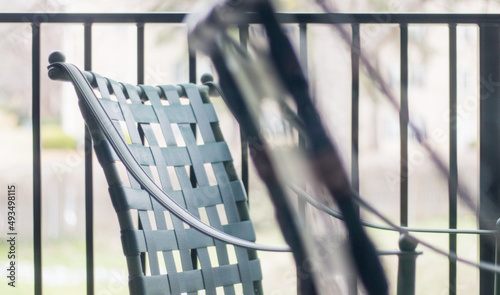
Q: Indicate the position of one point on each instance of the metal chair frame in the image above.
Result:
(151, 131)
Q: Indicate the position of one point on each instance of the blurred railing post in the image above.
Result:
(407, 265)
(89, 178)
(37, 159)
(489, 145)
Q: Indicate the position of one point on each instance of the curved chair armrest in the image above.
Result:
(82, 86)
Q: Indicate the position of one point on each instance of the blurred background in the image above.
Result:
(114, 51)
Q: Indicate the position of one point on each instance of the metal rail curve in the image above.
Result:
(322, 207)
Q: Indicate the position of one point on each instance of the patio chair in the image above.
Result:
(150, 130)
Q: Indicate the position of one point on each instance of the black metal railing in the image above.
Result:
(489, 46)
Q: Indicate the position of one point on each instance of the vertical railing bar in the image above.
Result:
(192, 176)
(140, 80)
(244, 35)
(37, 160)
(192, 79)
(303, 49)
(89, 198)
(453, 179)
(301, 203)
(140, 53)
(403, 125)
(303, 58)
(355, 60)
(355, 53)
(88, 46)
(192, 63)
(489, 158)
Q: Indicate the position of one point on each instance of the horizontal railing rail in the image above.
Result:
(291, 18)
(486, 22)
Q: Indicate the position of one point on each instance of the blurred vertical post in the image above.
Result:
(192, 176)
(489, 123)
(355, 62)
(301, 204)
(140, 80)
(403, 126)
(89, 194)
(244, 35)
(37, 160)
(453, 179)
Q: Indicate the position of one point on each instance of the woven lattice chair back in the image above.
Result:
(164, 255)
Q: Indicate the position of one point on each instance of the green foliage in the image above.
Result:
(53, 137)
